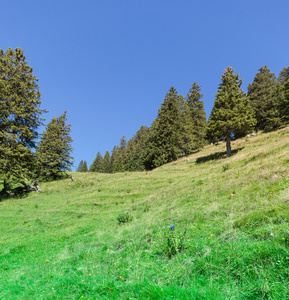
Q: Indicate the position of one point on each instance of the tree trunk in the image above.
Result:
(5, 186)
(228, 144)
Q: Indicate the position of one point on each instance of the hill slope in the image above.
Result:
(73, 241)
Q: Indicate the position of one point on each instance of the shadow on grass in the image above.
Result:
(17, 193)
(217, 156)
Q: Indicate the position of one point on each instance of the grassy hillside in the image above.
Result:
(67, 243)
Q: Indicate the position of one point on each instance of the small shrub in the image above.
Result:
(171, 242)
(123, 218)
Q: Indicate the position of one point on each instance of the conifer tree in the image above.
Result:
(284, 106)
(97, 165)
(231, 110)
(79, 168)
(165, 141)
(20, 117)
(273, 118)
(128, 153)
(282, 76)
(194, 119)
(106, 163)
(138, 145)
(113, 158)
(151, 151)
(117, 156)
(54, 149)
(260, 96)
(84, 167)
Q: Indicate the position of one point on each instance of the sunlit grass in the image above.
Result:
(66, 243)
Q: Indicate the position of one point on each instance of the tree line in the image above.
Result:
(24, 154)
(181, 127)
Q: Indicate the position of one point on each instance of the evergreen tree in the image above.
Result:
(20, 117)
(284, 105)
(106, 163)
(194, 119)
(84, 167)
(231, 110)
(79, 168)
(282, 76)
(165, 140)
(137, 146)
(113, 158)
(54, 149)
(151, 151)
(273, 118)
(260, 96)
(128, 153)
(97, 165)
(117, 156)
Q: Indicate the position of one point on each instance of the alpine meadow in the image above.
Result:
(108, 236)
(187, 208)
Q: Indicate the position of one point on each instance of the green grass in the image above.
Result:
(67, 243)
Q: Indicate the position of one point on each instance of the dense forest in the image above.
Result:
(181, 127)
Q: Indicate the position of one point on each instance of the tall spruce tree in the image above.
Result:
(118, 155)
(260, 96)
(54, 149)
(106, 163)
(231, 110)
(284, 105)
(136, 161)
(20, 117)
(282, 76)
(165, 141)
(79, 168)
(128, 153)
(273, 118)
(194, 119)
(84, 167)
(97, 165)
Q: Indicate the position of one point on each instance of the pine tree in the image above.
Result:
(165, 141)
(260, 96)
(84, 167)
(282, 76)
(54, 149)
(20, 117)
(128, 153)
(136, 147)
(79, 168)
(231, 110)
(273, 118)
(97, 165)
(106, 163)
(284, 105)
(194, 119)
(113, 158)
(117, 156)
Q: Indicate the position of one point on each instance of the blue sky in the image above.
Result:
(110, 63)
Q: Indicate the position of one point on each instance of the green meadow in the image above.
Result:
(102, 236)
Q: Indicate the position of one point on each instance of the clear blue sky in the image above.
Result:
(110, 63)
